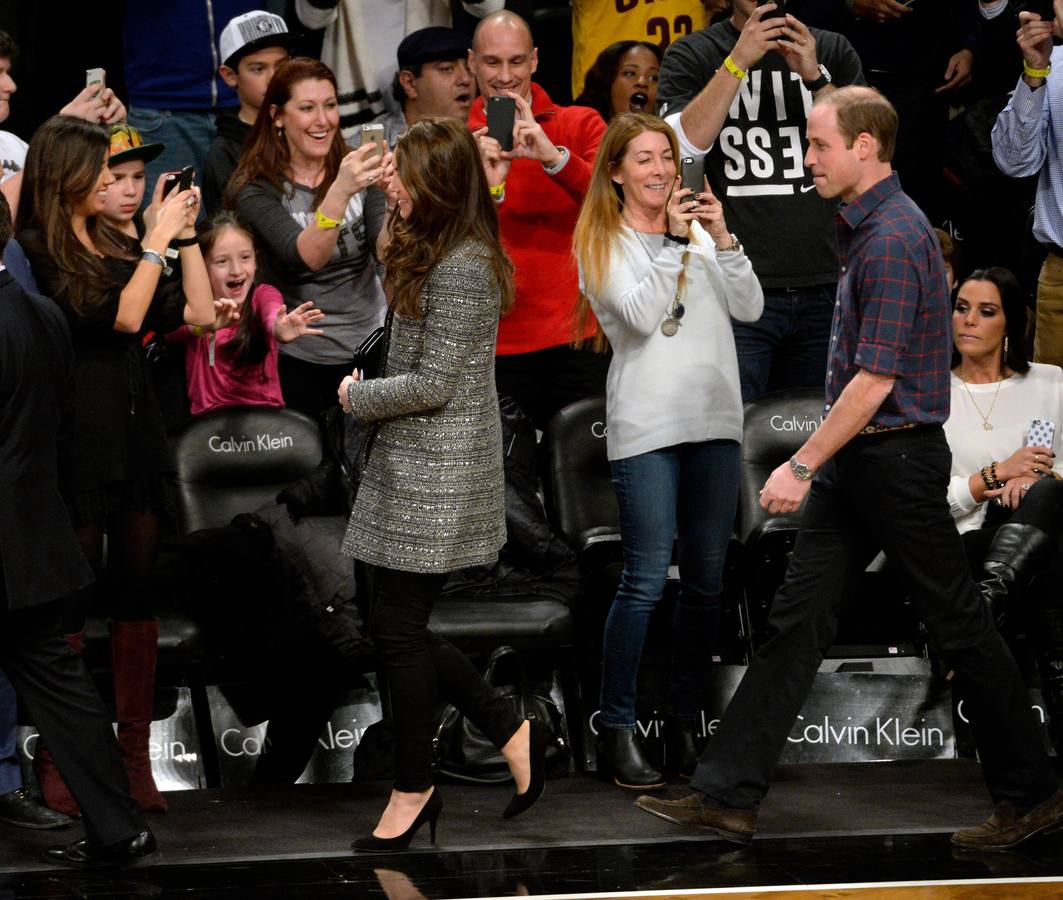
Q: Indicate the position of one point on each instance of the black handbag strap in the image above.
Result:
(375, 427)
(497, 655)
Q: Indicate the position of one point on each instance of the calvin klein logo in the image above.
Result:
(782, 423)
(599, 429)
(244, 444)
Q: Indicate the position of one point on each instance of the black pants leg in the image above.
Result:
(52, 683)
(419, 667)
(545, 381)
(892, 487)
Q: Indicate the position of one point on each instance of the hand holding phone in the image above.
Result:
(181, 180)
(94, 78)
(692, 175)
(779, 11)
(372, 134)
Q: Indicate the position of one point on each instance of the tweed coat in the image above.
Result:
(431, 497)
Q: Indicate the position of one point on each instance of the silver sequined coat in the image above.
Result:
(431, 496)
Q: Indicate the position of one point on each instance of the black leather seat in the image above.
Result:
(882, 623)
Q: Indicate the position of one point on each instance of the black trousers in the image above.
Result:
(546, 381)
(311, 388)
(54, 687)
(420, 668)
(885, 490)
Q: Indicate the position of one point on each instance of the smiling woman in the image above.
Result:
(304, 193)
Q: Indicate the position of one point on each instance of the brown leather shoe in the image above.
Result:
(736, 825)
(1006, 829)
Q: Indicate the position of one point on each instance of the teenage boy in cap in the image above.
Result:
(251, 48)
(433, 79)
(127, 158)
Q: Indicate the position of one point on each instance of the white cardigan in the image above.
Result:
(671, 390)
(1036, 395)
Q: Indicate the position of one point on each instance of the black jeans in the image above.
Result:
(420, 667)
(885, 490)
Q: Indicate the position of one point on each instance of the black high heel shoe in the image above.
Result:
(537, 744)
(429, 813)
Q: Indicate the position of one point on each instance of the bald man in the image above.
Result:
(540, 187)
(875, 474)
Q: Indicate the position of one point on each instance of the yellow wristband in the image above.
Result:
(730, 66)
(1035, 73)
(324, 222)
(497, 190)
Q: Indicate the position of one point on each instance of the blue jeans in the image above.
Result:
(787, 346)
(692, 488)
(10, 773)
(187, 134)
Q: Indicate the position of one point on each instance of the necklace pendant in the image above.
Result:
(669, 327)
(986, 426)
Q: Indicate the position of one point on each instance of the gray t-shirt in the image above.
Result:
(347, 289)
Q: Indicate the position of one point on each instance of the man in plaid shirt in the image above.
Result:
(875, 473)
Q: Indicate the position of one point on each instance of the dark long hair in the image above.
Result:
(598, 83)
(63, 164)
(266, 156)
(439, 164)
(1013, 302)
(249, 343)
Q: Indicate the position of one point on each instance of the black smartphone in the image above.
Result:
(501, 114)
(1043, 8)
(692, 175)
(780, 8)
(181, 180)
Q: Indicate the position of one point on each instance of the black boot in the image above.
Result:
(1050, 670)
(1014, 556)
(620, 755)
(682, 749)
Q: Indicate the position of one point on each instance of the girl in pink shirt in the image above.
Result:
(234, 361)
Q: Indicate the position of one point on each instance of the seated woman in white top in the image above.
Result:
(1005, 492)
(664, 277)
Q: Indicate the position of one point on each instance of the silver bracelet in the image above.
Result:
(153, 256)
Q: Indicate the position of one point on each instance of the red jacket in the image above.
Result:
(537, 218)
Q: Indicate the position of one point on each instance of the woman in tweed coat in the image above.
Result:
(431, 496)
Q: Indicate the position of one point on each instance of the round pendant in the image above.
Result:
(669, 327)
(986, 426)
(679, 311)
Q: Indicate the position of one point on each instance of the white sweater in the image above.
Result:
(671, 390)
(1036, 395)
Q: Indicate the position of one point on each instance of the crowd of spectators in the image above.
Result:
(263, 273)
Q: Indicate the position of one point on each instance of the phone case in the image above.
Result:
(501, 113)
(1041, 433)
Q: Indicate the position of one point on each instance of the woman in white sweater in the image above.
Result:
(1005, 492)
(664, 277)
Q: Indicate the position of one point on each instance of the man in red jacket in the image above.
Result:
(539, 186)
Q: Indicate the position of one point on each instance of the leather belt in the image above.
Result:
(883, 429)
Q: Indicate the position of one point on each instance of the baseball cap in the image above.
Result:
(127, 145)
(250, 32)
(431, 45)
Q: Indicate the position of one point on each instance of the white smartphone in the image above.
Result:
(94, 77)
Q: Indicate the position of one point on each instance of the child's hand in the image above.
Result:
(290, 325)
(226, 312)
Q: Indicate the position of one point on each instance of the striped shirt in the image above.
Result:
(1028, 139)
(893, 315)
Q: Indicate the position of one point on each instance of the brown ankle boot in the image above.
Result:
(134, 648)
(56, 794)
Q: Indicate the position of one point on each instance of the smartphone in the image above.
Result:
(181, 180)
(1041, 433)
(692, 174)
(1043, 8)
(94, 77)
(372, 134)
(501, 114)
(780, 8)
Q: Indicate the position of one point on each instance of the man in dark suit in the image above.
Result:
(41, 562)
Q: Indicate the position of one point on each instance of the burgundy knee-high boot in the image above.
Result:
(134, 650)
(56, 794)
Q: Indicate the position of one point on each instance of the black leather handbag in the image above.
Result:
(369, 355)
(463, 753)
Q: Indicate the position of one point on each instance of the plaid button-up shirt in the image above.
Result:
(893, 315)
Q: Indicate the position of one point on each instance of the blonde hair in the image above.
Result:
(600, 221)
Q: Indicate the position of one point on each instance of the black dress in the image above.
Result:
(114, 455)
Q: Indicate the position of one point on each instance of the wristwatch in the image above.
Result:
(800, 470)
(821, 82)
(733, 247)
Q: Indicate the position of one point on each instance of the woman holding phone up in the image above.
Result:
(304, 192)
(431, 496)
(664, 277)
(115, 463)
